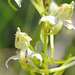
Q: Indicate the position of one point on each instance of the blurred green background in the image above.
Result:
(27, 18)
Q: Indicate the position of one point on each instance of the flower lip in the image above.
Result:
(49, 18)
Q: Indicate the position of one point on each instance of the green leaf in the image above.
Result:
(39, 46)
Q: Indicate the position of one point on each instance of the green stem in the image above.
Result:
(66, 62)
(32, 73)
(45, 42)
(52, 46)
(54, 69)
(45, 45)
(59, 61)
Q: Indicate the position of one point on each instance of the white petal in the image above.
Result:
(68, 24)
(51, 19)
(31, 54)
(13, 57)
(53, 9)
(18, 2)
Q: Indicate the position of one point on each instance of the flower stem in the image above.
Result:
(58, 69)
(52, 46)
(45, 45)
(65, 64)
(32, 73)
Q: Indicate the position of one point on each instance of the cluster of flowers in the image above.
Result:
(58, 16)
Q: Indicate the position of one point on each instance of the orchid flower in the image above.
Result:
(62, 17)
(22, 41)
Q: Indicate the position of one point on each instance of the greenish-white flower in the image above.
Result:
(62, 17)
(22, 41)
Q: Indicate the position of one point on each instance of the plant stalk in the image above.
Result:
(52, 46)
(45, 46)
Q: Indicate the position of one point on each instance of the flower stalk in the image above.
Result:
(45, 44)
(52, 46)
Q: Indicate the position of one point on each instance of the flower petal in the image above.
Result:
(53, 9)
(68, 24)
(31, 54)
(18, 2)
(50, 18)
(13, 57)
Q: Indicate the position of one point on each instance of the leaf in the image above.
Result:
(39, 46)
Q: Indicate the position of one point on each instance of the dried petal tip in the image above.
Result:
(13, 57)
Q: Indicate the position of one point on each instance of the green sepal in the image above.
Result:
(42, 35)
(31, 48)
(46, 58)
(57, 28)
